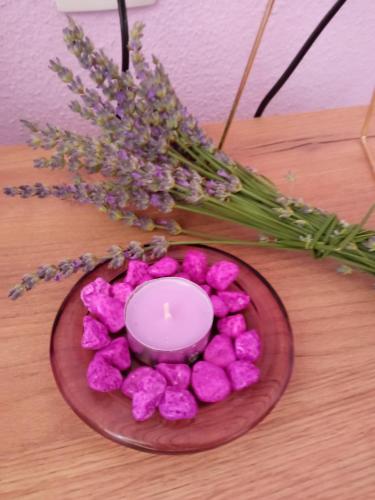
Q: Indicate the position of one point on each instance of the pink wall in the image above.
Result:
(204, 45)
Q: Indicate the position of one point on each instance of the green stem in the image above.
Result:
(224, 242)
(194, 166)
(198, 234)
(254, 207)
(279, 246)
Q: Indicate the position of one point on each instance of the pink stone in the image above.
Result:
(195, 265)
(143, 406)
(137, 273)
(163, 267)
(207, 289)
(178, 404)
(247, 346)
(95, 334)
(222, 274)
(110, 311)
(236, 301)
(210, 382)
(103, 377)
(220, 351)
(232, 325)
(93, 289)
(121, 292)
(220, 307)
(145, 379)
(117, 354)
(132, 382)
(177, 375)
(242, 374)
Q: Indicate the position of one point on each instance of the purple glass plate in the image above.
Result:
(216, 424)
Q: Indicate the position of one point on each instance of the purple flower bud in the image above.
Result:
(170, 225)
(134, 250)
(145, 223)
(117, 257)
(29, 281)
(16, 292)
(10, 191)
(158, 247)
(46, 273)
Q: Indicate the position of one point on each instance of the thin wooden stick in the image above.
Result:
(364, 134)
(249, 65)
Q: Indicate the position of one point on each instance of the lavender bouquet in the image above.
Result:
(151, 153)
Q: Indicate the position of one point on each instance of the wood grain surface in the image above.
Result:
(318, 443)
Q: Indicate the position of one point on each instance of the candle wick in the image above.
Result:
(167, 313)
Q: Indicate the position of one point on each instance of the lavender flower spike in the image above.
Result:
(116, 257)
(107, 198)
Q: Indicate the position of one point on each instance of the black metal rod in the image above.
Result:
(124, 34)
(299, 56)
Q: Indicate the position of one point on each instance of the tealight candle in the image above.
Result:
(168, 320)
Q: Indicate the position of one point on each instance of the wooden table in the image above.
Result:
(319, 441)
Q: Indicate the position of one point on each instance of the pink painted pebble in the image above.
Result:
(232, 325)
(121, 292)
(195, 265)
(117, 354)
(163, 267)
(220, 351)
(93, 289)
(247, 346)
(132, 382)
(137, 273)
(236, 301)
(95, 334)
(177, 375)
(178, 404)
(222, 274)
(242, 374)
(103, 377)
(207, 289)
(143, 406)
(220, 307)
(109, 311)
(210, 382)
(145, 379)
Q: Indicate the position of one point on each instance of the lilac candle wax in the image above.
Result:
(168, 320)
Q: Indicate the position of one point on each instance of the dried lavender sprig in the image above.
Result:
(73, 150)
(150, 109)
(160, 95)
(58, 272)
(107, 199)
(97, 155)
(96, 109)
(164, 112)
(101, 111)
(154, 97)
(116, 256)
(103, 71)
(108, 121)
